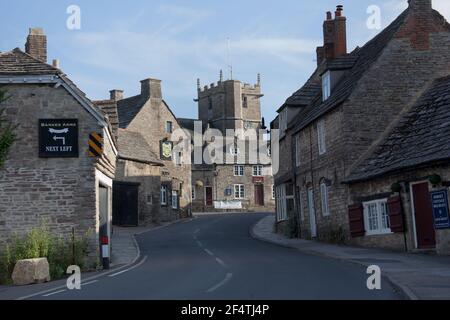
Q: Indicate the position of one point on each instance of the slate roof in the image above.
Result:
(421, 137)
(17, 62)
(128, 108)
(133, 146)
(360, 61)
(109, 107)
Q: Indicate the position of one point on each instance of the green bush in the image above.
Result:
(61, 252)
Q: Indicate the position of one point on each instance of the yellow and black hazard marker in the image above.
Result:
(95, 144)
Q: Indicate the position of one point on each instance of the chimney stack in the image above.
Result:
(420, 6)
(151, 88)
(116, 95)
(36, 45)
(334, 36)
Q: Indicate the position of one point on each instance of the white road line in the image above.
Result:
(200, 244)
(197, 231)
(209, 252)
(129, 269)
(228, 277)
(88, 283)
(195, 237)
(220, 261)
(53, 293)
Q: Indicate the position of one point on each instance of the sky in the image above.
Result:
(120, 43)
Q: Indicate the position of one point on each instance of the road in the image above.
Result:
(215, 258)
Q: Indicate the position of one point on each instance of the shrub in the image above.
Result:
(61, 252)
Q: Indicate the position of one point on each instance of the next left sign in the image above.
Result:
(58, 138)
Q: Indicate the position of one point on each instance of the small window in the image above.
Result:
(376, 217)
(326, 85)
(238, 171)
(257, 171)
(234, 150)
(149, 199)
(169, 127)
(239, 191)
(178, 159)
(324, 199)
(321, 137)
(273, 192)
(245, 101)
(175, 200)
(193, 193)
(163, 195)
(297, 150)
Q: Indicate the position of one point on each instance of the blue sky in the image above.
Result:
(123, 42)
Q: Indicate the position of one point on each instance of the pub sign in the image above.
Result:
(58, 138)
(166, 150)
(439, 202)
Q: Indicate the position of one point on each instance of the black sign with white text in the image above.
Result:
(58, 138)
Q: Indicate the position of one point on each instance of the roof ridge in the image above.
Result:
(18, 50)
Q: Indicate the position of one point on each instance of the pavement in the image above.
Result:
(418, 276)
(214, 257)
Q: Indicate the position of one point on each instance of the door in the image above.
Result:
(209, 196)
(126, 204)
(259, 195)
(312, 213)
(423, 214)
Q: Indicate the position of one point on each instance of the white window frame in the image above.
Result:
(321, 137)
(169, 127)
(273, 192)
(297, 150)
(234, 150)
(326, 85)
(239, 171)
(174, 200)
(381, 224)
(163, 197)
(257, 171)
(324, 199)
(239, 191)
(193, 193)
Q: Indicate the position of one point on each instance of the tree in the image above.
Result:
(7, 135)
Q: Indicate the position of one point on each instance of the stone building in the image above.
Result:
(236, 182)
(51, 174)
(344, 109)
(146, 130)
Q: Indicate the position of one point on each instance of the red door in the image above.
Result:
(424, 216)
(209, 196)
(259, 195)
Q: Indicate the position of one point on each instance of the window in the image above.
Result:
(321, 137)
(324, 199)
(281, 200)
(257, 171)
(169, 127)
(149, 198)
(175, 200)
(193, 193)
(163, 195)
(238, 171)
(297, 150)
(326, 85)
(273, 192)
(234, 150)
(178, 159)
(376, 217)
(245, 102)
(283, 121)
(239, 191)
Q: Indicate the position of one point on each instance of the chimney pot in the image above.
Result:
(55, 63)
(36, 44)
(329, 15)
(339, 10)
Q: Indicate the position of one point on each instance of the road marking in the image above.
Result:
(228, 277)
(200, 244)
(53, 293)
(209, 252)
(220, 261)
(129, 269)
(88, 283)
(197, 231)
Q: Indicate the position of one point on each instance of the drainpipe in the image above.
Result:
(403, 218)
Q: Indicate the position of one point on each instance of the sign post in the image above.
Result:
(439, 202)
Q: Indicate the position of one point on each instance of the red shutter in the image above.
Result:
(396, 214)
(356, 220)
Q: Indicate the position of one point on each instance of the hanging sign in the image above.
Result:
(439, 203)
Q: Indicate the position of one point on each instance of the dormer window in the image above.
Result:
(326, 85)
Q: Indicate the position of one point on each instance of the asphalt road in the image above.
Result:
(215, 258)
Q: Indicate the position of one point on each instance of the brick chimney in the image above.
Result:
(334, 36)
(151, 88)
(116, 95)
(36, 45)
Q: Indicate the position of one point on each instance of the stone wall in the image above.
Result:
(59, 191)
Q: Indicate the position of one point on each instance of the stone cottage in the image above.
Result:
(233, 181)
(399, 191)
(52, 173)
(348, 103)
(151, 165)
